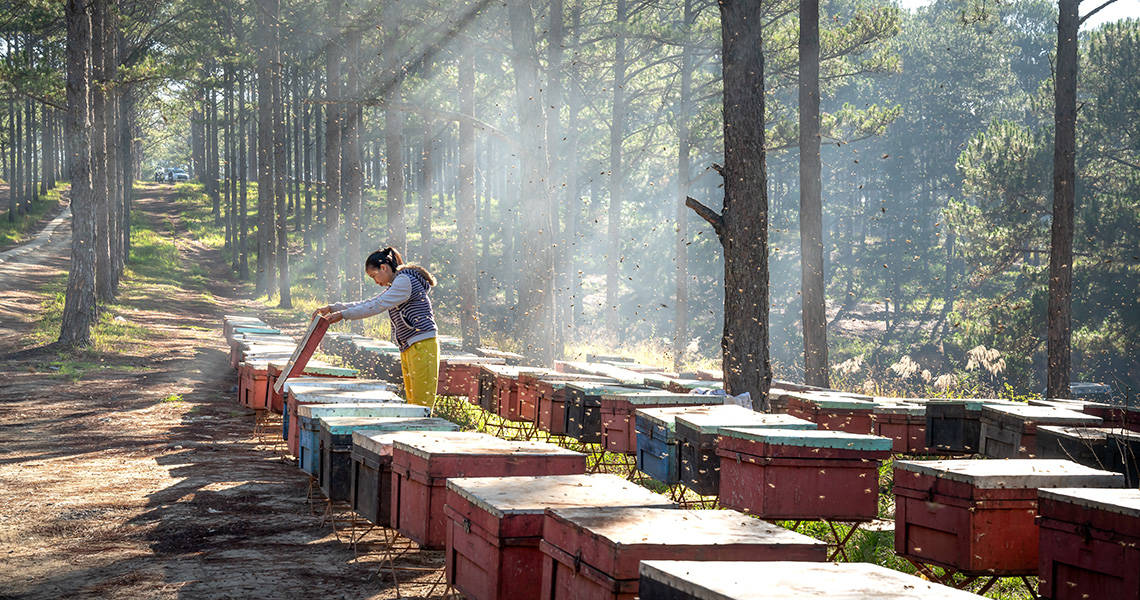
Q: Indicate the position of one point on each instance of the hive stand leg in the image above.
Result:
(314, 495)
(841, 542)
(1028, 585)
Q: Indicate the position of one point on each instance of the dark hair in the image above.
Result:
(388, 256)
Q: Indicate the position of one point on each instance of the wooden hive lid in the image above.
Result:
(968, 403)
(346, 425)
(472, 359)
(476, 443)
(914, 410)
(631, 526)
(738, 580)
(811, 438)
(1119, 501)
(380, 442)
(1085, 434)
(693, 384)
(501, 496)
(331, 396)
(830, 402)
(658, 398)
(666, 416)
(1040, 414)
(596, 388)
(363, 409)
(729, 415)
(1018, 473)
(308, 384)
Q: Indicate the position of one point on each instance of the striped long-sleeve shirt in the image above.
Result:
(407, 303)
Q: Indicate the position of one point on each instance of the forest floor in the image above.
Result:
(127, 470)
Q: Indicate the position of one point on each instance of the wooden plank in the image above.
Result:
(304, 351)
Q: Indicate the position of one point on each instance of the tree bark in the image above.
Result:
(742, 225)
(79, 302)
(243, 192)
(427, 192)
(559, 192)
(573, 281)
(466, 250)
(354, 175)
(334, 115)
(104, 291)
(266, 239)
(684, 177)
(1060, 317)
(812, 290)
(280, 157)
(394, 131)
(617, 174)
(535, 288)
(112, 137)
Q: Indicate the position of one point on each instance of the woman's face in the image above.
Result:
(382, 275)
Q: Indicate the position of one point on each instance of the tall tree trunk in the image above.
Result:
(79, 302)
(280, 157)
(560, 193)
(535, 288)
(1060, 317)
(617, 174)
(104, 290)
(308, 118)
(353, 174)
(266, 239)
(394, 130)
(298, 91)
(231, 162)
(427, 185)
(466, 251)
(127, 128)
(212, 156)
(334, 115)
(243, 176)
(742, 226)
(684, 177)
(812, 291)
(111, 133)
(570, 247)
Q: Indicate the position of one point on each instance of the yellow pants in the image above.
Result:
(420, 366)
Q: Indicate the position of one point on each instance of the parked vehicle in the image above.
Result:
(176, 175)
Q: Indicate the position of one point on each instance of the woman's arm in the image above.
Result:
(396, 294)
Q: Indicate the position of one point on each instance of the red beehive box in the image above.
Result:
(252, 385)
(1089, 544)
(552, 399)
(976, 516)
(619, 433)
(459, 375)
(739, 580)
(527, 387)
(511, 393)
(801, 473)
(1011, 431)
(836, 412)
(495, 525)
(1132, 418)
(298, 398)
(594, 553)
(904, 423)
(421, 466)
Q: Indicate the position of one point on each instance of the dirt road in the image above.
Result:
(133, 474)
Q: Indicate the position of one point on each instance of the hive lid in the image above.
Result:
(1041, 414)
(711, 421)
(1120, 501)
(312, 384)
(914, 410)
(659, 398)
(840, 402)
(380, 442)
(362, 409)
(969, 403)
(1086, 434)
(472, 359)
(501, 496)
(666, 416)
(811, 438)
(1019, 473)
(346, 425)
(428, 446)
(663, 526)
(739, 580)
(593, 388)
(327, 396)
(693, 384)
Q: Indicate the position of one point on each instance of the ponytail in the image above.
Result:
(387, 256)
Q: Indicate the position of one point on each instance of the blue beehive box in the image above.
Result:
(656, 453)
(309, 454)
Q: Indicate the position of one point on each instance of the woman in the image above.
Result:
(413, 322)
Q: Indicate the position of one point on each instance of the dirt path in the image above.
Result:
(134, 474)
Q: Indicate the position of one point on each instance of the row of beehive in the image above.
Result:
(824, 449)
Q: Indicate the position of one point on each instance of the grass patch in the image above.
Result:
(20, 229)
(173, 398)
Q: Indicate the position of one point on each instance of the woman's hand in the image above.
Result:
(335, 317)
(324, 310)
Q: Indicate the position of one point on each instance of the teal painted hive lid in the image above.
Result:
(969, 403)
(810, 438)
(717, 417)
(347, 425)
(659, 398)
(256, 329)
(913, 410)
(1018, 473)
(363, 409)
(330, 370)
